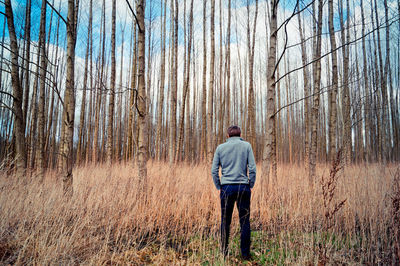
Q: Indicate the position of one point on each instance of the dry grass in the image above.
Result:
(104, 223)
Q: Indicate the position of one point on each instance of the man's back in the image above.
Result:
(235, 157)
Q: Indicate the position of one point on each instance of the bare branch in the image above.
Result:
(3, 105)
(7, 93)
(55, 10)
(337, 48)
(133, 13)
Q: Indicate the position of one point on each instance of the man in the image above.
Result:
(236, 158)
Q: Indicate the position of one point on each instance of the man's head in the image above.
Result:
(234, 131)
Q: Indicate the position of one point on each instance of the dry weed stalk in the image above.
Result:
(396, 216)
(331, 207)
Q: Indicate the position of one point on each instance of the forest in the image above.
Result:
(111, 111)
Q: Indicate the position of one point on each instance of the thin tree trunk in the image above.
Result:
(229, 118)
(162, 83)
(306, 91)
(142, 101)
(185, 84)
(99, 89)
(69, 99)
(315, 108)
(19, 127)
(251, 104)
(43, 69)
(92, 89)
(204, 94)
(211, 87)
(269, 156)
(27, 37)
(346, 97)
(82, 124)
(367, 102)
(333, 89)
(110, 122)
(174, 85)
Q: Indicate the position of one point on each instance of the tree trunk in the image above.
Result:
(42, 88)
(251, 104)
(69, 100)
(269, 155)
(110, 122)
(211, 87)
(346, 97)
(333, 89)
(142, 101)
(204, 94)
(315, 107)
(162, 83)
(367, 102)
(19, 127)
(229, 119)
(185, 85)
(82, 125)
(27, 37)
(306, 91)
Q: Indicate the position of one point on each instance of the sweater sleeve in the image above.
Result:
(252, 167)
(215, 170)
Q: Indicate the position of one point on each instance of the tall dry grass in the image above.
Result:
(105, 222)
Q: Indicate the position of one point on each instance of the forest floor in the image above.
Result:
(108, 221)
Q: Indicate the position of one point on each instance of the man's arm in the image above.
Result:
(252, 167)
(215, 170)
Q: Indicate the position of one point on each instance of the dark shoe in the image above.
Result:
(247, 257)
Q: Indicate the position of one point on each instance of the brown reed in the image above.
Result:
(104, 223)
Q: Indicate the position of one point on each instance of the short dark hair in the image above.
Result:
(234, 131)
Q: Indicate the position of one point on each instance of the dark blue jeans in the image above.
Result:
(239, 193)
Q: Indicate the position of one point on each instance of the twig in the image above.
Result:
(55, 10)
(137, 21)
(337, 48)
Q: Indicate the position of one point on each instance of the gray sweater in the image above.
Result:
(235, 157)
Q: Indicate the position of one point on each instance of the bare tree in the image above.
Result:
(211, 87)
(333, 91)
(82, 124)
(110, 122)
(204, 94)
(251, 45)
(43, 70)
(19, 127)
(185, 84)
(315, 107)
(269, 155)
(162, 82)
(142, 100)
(69, 98)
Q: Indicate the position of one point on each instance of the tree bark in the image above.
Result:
(42, 88)
(251, 104)
(315, 107)
(69, 100)
(204, 94)
(185, 85)
(142, 101)
(82, 125)
(19, 127)
(27, 37)
(334, 84)
(110, 122)
(162, 83)
(211, 87)
(269, 155)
